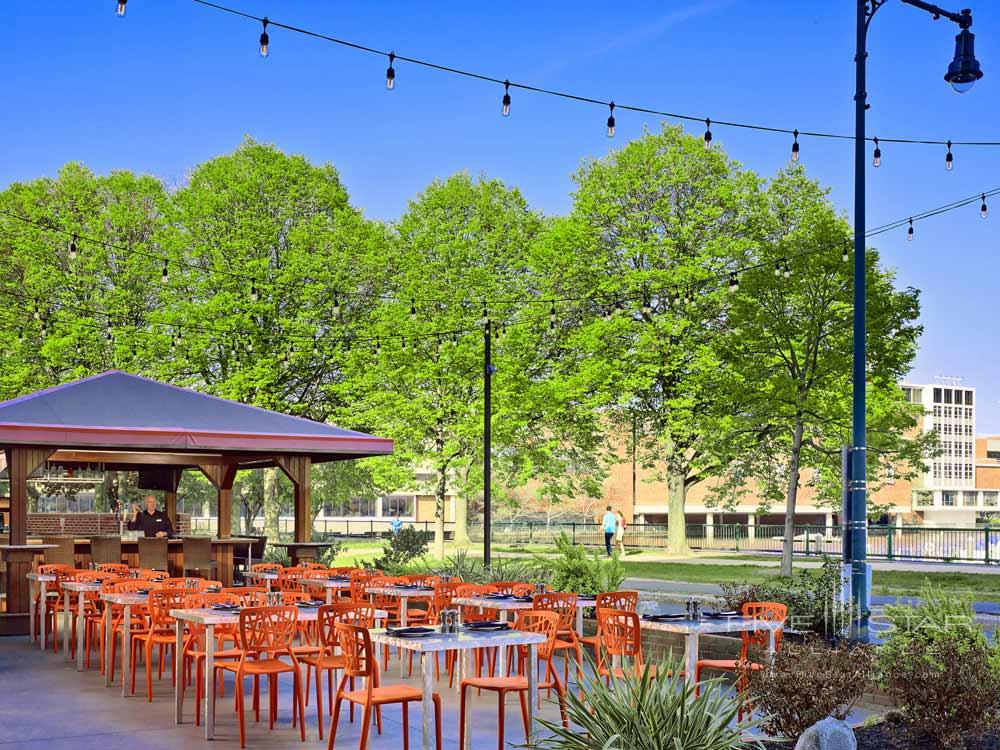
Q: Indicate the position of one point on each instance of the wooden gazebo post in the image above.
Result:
(299, 470)
(222, 477)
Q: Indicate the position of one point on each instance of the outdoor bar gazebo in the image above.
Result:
(131, 423)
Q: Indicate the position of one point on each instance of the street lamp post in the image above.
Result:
(962, 73)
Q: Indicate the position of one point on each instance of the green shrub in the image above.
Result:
(277, 555)
(807, 682)
(576, 570)
(404, 547)
(471, 569)
(647, 712)
(329, 555)
(939, 666)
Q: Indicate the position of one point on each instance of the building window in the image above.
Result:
(398, 505)
(947, 395)
(968, 413)
(968, 398)
(890, 474)
(990, 499)
(937, 395)
(995, 455)
(948, 499)
(968, 471)
(937, 411)
(937, 470)
(947, 471)
(924, 499)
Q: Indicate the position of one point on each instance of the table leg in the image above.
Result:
(502, 651)
(179, 680)
(126, 645)
(108, 630)
(427, 724)
(532, 670)
(32, 591)
(579, 621)
(80, 627)
(209, 690)
(67, 610)
(691, 641)
(402, 624)
(329, 595)
(43, 599)
(771, 640)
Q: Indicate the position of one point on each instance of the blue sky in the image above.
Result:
(174, 84)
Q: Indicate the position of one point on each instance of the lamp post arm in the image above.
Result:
(963, 19)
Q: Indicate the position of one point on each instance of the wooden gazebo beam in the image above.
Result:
(299, 470)
(222, 477)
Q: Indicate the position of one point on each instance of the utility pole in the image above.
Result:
(488, 371)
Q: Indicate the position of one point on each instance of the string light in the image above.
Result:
(982, 208)
(505, 110)
(36, 313)
(120, 10)
(552, 317)
(777, 269)
(788, 270)
(336, 305)
(402, 343)
(165, 276)
(109, 333)
(316, 345)
(877, 155)
(72, 248)
(611, 120)
(909, 232)
(253, 292)
(485, 319)
(264, 39)
(846, 254)
(708, 133)
(647, 308)
(949, 160)
(795, 145)
(413, 309)
(734, 282)
(390, 73)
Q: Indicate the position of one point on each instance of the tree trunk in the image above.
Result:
(676, 521)
(788, 545)
(439, 494)
(272, 506)
(462, 522)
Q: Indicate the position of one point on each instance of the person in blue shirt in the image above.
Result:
(610, 522)
(396, 525)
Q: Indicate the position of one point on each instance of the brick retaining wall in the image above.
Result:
(85, 524)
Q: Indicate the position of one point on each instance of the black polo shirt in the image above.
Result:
(152, 523)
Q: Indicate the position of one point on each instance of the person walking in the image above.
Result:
(620, 532)
(610, 522)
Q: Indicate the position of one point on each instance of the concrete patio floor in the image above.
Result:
(45, 704)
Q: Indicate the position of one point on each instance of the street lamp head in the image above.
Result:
(963, 72)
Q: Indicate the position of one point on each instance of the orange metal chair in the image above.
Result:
(763, 611)
(94, 623)
(327, 659)
(137, 620)
(149, 574)
(194, 646)
(266, 633)
(249, 596)
(160, 633)
(57, 606)
(531, 621)
(266, 568)
(359, 586)
(567, 639)
(312, 566)
(118, 569)
(626, 601)
(359, 662)
(621, 639)
(288, 578)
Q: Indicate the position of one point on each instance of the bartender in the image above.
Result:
(151, 522)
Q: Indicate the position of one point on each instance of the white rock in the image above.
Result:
(829, 734)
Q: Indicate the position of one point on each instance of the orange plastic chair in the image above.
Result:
(249, 596)
(94, 623)
(621, 639)
(327, 659)
(148, 574)
(567, 640)
(763, 611)
(288, 578)
(626, 601)
(47, 569)
(194, 646)
(54, 608)
(161, 633)
(118, 569)
(312, 566)
(359, 662)
(530, 621)
(359, 586)
(266, 634)
(117, 613)
(266, 568)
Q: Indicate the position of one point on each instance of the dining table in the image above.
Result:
(39, 585)
(329, 585)
(125, 600)
(691, 629)
(403, 594)
(464, 641)
(508, 603)
(268, 577)
(81, 589)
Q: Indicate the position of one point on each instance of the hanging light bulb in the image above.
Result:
(877, 155)
(253, 292)
(454, 339)
(173, 344)
(909, 232)
(36, 313)
(402, 343)
(795, 145)
(390, 73)
(336, 305)
(647, 308)
(708, 133)
(949, 160)
(413, 309)
(377, 348)
(120, 10)
(611, 120)
(79, 349)
(45, 328)
(316, 345)
(777, 269)
(264, 39)
(505, 111)
(734, 282)
(552, 316)
(787, 273)
(982, 208)
(486, 315)
(72, 248)
(165, 276)
(109, 331)
(609, 312)
(285, 357)
(846, 254)
(678, 297)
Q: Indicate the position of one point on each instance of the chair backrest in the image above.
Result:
(356, 647)
(288, 578)
(623, 600)
(384, 601)
(105, 549)
(563, 605)
(52, 568)
(522, 589)
(766, 612)
(197, 553)
(204, 600)
(161, 601)
(249, 596)
(621, 635)
(189, 584)
(507, 587)
(148, 574)
(312, 566)
(266, 568)
(62, 551)
(472, 590)
(359, 585)
(344, 570)
(318, 573)
(153, 553)
(539, 621)
(421, 580)
(118, 569)
(268, 629)
(444, 593)
(329, 615)
(130, 586)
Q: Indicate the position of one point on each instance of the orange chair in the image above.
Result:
(312, 566)
(266, 634)
(161, 633)
(359, 662)
(194, 646)
(621, 639)
(117, 613)
(148, 574)
(359, 586)
(249, 596)
(41, 609)
(763, 611)
(530, 621)
(188, 583)
(118, 569)
(626, 601)
(443, 595)
(266, 568)
(288, 578)
(567, 639)
(327, 616)
(92, 606)
(56, 607)
(94, 623)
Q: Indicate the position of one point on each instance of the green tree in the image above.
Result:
(653, 226)
(788, 357)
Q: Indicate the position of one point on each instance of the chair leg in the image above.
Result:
(333, 723)
(406, 718)
(300, 702)
(272, 695)
(240, 710)
(366, 725)
(461, 718)
(437, 721)
(523, 699)
(149, 670)
(319, 698)
(500, 717)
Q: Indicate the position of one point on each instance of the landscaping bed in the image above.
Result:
(898, 736)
